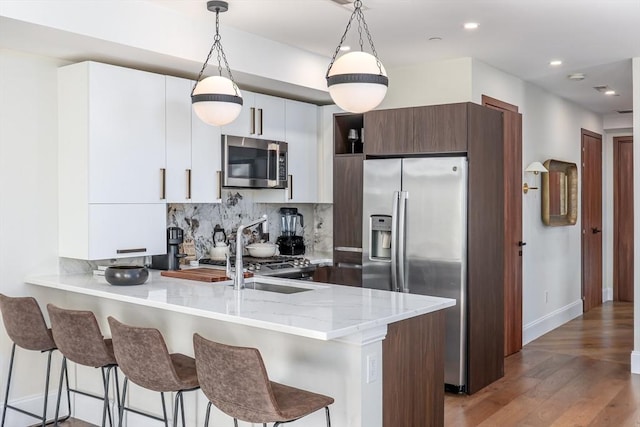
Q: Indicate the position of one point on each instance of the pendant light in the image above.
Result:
(216, 100)
(357, 81)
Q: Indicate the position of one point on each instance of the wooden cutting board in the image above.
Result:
(201, 274)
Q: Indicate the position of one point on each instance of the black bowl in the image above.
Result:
(126, 275)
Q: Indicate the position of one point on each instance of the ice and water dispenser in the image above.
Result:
(380, 237)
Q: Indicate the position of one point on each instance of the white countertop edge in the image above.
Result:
(324, 336)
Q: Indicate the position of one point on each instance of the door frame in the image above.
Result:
(513, 244)
(618, 216)
(587, 304)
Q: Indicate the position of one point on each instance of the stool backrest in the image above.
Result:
(143, 357)
(78, 337)
(235, 380)
(25, 323)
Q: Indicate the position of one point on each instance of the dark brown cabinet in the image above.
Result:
(418, 130)
(347, 201)
(389, 131)
(440, 128)
(464, 129)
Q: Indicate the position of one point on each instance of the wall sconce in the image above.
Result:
(536, 168)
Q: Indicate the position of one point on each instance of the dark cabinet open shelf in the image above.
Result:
(343, 122)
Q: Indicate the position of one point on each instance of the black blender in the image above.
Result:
(289, 243)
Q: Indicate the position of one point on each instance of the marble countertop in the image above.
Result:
(326, 312)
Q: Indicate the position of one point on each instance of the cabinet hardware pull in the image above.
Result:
(163, 184)
(219, 192)
(349, 265)
(261, 120)
(521, 243)
(130, 251)
(253, 121)
(188, 184)
(595, 230)
(347, 249)
(290, 186)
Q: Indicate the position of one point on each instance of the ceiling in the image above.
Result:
(594, 37)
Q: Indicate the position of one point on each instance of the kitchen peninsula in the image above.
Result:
(341, 341)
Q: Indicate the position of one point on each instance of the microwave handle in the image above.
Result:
(273, 181)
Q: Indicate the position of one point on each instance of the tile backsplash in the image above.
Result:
(237, 207)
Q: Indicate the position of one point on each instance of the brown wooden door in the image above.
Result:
(389, 131)
(440, 128)
(623, 218)
(591, 220)
(512, 163)
(347, 201)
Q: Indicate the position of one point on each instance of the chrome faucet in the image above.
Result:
(238, 282)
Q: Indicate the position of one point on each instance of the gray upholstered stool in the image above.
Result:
(143, 358)
(78, 337)
(27, 329)
(236, 381)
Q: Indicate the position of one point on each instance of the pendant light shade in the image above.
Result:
(357, 81)
(216, 100)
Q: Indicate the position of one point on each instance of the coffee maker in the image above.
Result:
(170, 261)
(288, 242)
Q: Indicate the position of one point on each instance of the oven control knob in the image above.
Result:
(306, 262)
(258, 266)
(251, 267)
(296, 262)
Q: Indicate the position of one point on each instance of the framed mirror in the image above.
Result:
(559, 193)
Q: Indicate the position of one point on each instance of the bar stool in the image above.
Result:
(143, 358)
(79, 339)
(27, 329)
(236, 381)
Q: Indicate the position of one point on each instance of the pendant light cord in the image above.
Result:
(357, 13)
(217, 45)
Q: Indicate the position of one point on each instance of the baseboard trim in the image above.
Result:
(607, 294)
(547, 323)
(635, 362)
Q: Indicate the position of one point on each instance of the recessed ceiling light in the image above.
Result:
(345, 48)
(576, 77)
(555, 62)
(471, 25)
(610, 92)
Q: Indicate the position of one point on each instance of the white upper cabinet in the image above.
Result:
(118, 115)
(111, 162)
(302, 142)
(193, 149)
(262, 117)
(178, 171)
(301, 136)
(206, 161)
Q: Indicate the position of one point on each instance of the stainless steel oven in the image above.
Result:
(253, 163)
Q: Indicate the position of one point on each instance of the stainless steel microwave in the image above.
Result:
(253, 163)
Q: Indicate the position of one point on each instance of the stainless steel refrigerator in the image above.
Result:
(415, 239)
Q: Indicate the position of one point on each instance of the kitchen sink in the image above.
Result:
(270, 287)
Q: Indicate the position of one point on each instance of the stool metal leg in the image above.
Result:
(206, 416)
(46, 391)
(124, 397)
(164, 410)
(326, 408)
(6, 392)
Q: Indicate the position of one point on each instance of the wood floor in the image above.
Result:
(576, 375)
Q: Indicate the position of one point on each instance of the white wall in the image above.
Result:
(432, 83)
(635, 356)
(551, 259)
(28, 191)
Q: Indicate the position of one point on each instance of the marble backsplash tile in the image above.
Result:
(237, 207)
(199, 220)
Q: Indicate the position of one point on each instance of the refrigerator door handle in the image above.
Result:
(402, 220)
(394, 242)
